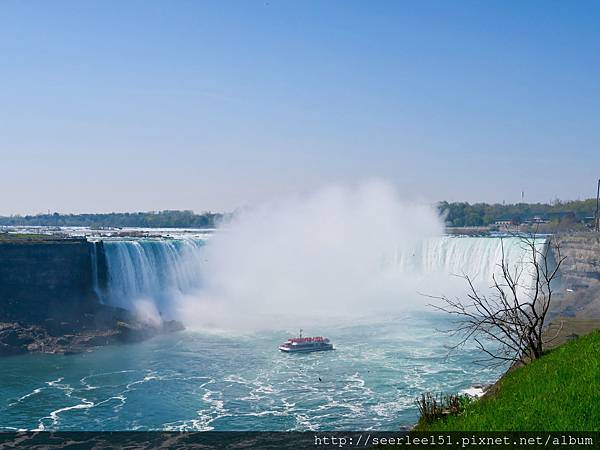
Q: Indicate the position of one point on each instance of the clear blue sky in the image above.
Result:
(142, 105)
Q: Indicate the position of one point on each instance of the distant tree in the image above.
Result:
(460, 214)
(152, 219)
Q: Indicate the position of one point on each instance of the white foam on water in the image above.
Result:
(26, 396)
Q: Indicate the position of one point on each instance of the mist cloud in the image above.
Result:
(326, 255)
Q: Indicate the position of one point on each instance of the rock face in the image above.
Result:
(45, 278)
(579, 292)
(48, 300)
(14, 338)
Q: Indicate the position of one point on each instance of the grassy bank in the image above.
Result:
(558, 392)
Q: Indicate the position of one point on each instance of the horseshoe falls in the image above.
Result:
(170, 272)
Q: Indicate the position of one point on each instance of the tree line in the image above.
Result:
(152, 219)
(462, 214)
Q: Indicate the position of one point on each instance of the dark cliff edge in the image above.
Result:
(42, 279)
(49, 301)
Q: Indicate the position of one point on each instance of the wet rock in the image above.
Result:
(16, 338)
(171, 326)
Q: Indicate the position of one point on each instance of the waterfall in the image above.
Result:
(95, 277)
(163, 270)
(159, 270)
(477, 257)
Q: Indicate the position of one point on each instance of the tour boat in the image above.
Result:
(306, 344)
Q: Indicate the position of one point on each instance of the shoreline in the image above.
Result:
(106, 326)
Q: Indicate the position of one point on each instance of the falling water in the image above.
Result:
(95, 277)
(477, 257)
(162, 271)
(159, 270)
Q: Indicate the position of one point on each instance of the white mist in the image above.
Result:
(327, 256)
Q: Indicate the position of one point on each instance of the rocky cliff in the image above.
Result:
(579, 293)
(42, 278)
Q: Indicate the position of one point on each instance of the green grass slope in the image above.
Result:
(558, 392)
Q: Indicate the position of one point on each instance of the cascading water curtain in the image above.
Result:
(157, 270)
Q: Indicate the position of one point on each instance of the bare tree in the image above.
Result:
(508, 322)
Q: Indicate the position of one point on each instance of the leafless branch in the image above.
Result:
(507, 324)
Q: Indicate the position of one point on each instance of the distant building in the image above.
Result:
(504, 223)
(536, 220)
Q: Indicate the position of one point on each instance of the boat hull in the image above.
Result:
(323, 348)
